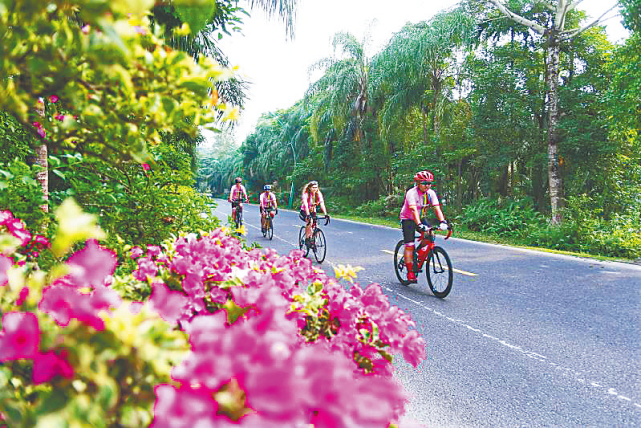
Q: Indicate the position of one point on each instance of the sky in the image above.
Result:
(277, 66)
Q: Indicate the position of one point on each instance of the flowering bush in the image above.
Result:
(220, 336)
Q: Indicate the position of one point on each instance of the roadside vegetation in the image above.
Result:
(467, 95)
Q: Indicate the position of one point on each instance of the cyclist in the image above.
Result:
(417, 200)
(268, 206)
(310, 199)
(236, 193)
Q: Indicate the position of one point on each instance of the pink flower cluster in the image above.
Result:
(64, 300)
(20, 338)
(284, 380)
(286, 376)
(255, 358)
(32, 244)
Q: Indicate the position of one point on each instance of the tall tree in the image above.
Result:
(556, 36)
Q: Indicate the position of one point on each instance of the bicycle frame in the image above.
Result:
(426, 239)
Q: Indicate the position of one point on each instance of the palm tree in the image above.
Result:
(342, 93)
(413, 69)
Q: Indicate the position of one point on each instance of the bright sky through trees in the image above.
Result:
(277, 67)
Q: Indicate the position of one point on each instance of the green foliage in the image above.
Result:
(586, 230)
(22, 194)
(503, 218)
(135, 205)
(15, 140)
(119, 80)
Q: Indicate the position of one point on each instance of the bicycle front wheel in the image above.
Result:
(270, 229)
(319, 245)
(399, 263)
(301, 241)
(439, 273)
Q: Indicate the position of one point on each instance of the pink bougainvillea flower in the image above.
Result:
(48, 365)
(183, 407)
(54, 99)
(5, 265)
(64, 303)
(59, 117)
(146, 268)
(20, 336)
(170, 305)
(5, 216)
(92, 264)
(146, 166)
(24, 293)
(153, 251)
(17, 228)
(135, 252)
(41, 241)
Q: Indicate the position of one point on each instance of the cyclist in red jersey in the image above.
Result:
(236, 193)
(417, 199)
(310, 199)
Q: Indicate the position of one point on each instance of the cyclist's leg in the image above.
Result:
(308, 227)
(233, 211)
(408, 237)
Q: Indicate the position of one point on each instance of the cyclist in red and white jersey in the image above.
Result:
(310, 199)
(417, 200)
(268, 206)
(236, 194)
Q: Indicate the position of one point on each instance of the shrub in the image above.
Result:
(513, 218)
(236, 336)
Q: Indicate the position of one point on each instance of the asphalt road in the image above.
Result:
(525, 338)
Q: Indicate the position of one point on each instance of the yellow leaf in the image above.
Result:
(73, 226)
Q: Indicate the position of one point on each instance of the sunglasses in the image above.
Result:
(426, 182)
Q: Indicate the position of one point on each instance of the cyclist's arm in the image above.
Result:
(304, 206)
(415, 215)
(274, 200)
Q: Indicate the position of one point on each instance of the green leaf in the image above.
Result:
(59, 174)
(196, 16)
(52, 402)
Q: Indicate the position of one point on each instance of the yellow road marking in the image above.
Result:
(462, 272)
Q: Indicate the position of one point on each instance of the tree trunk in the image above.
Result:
(43, 176)
(552, 80)
(459, 187)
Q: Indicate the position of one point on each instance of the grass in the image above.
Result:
(482, 237)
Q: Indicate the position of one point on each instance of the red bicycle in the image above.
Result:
(439, 266)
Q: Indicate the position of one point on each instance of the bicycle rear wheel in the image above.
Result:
(301, 241)
(270, 228)
(319, 245)
(439, 273)
(399, 263)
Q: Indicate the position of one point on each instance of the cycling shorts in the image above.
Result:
(235, 204)
(303, 216)
(409, 229)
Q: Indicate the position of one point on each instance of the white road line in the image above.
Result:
(578, 376)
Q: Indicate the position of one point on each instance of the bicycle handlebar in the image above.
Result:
(432, 229)
(325, 217)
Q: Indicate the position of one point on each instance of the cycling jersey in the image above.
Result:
(421, 200)
(268, 200)
(237, 193)
(310, 201)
